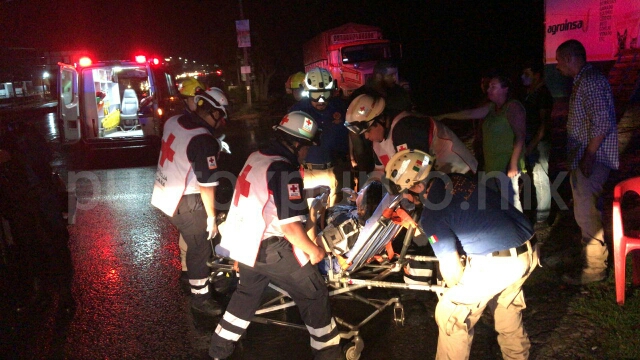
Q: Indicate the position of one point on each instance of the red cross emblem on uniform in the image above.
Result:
(166, 152)
(294, 192)
(242, 185)
(211, 162)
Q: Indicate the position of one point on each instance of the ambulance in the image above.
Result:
(115, 104)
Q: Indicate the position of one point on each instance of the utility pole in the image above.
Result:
(246, 63)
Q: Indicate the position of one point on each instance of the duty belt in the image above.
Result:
(518, 250)
(317, 166)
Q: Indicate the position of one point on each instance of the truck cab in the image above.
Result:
(115, 104)
(349, 52)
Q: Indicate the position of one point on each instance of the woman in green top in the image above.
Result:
(503, 136)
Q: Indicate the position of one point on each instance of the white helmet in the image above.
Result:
(408, 167)
(211, 99)
(319, 83)
(362, 111)
(300, 125)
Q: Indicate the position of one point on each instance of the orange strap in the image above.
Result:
(387, 213)
(379, 258)
(401, 217)
(389, 248)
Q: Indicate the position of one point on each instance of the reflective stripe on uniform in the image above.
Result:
(198, 282)
(226, 334)
(319, 345)
(199, 286)
(235, 321)
(204, 290)
(323, 330)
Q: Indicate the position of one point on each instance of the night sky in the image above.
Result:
(446, 43)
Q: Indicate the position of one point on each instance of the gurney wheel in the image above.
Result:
(353, 349)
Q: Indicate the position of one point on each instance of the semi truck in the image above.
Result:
(115, 103)
(349, 52)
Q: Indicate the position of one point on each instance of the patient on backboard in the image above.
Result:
(344, 221)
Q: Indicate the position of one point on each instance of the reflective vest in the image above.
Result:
(174, 175)
(452, 155)
(385, 149)
(246, 223)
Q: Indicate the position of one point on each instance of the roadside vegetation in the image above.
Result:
(580, 322)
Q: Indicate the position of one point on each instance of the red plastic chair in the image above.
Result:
(624, 242)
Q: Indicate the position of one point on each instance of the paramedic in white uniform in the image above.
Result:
(264, 232)
(184, 190)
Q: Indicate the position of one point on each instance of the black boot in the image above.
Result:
(203, 304)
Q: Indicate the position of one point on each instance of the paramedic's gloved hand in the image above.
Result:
(413, 194)
(350, 194)
(317, 255)
(212, 227)
(316, 207)
(316, 191)
(322, 244)
(224, 147)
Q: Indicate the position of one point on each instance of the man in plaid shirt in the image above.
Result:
(592, 145)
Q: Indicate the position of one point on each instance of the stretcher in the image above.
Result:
(370, 262)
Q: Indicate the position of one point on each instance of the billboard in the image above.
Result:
(604, 27)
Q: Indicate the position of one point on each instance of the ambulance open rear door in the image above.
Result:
(68, 102)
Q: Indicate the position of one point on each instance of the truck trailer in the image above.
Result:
(609, 31)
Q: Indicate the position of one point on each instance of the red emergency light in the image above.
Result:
(219, 72)
(85, 61)
(141, 59)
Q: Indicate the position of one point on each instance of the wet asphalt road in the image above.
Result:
(126, 282)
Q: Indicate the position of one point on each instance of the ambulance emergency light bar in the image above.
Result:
(140, 59)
